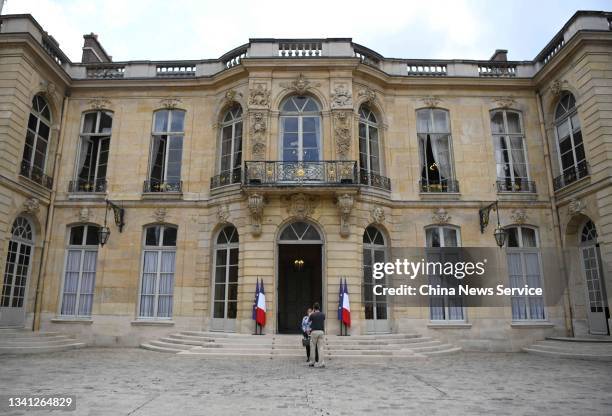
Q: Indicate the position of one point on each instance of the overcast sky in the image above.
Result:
(196, 29)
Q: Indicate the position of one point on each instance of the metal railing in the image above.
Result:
(226, 178)
(155, 185)
(517, 185)
(571, 175)
(84, 185)
(320, 173)
(35, 174)
(374, 179)
(442, 185)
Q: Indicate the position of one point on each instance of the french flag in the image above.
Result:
(254, 314)
(346, 306)
(260, 310)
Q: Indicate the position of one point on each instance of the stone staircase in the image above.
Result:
(22, 341)
(213, 344)
(591, 348)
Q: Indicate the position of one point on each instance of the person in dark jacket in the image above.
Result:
(317, 334)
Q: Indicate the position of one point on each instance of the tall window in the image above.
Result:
(437, 170)
(226, 274)
(572, 159)
(17, 264)
(158, 266)
(35, 151)
(93, 152)
(80, 271)
(591, 262)
(510, 152)
(440, 241)
(524, 268)
(166, 151)
(369, 147)
(374, 251)
(230, 159)
(300, 130)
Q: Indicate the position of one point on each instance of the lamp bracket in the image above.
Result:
(483, 214)
(118, 213)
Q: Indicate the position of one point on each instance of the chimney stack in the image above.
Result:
(500, 55)
(93, 52)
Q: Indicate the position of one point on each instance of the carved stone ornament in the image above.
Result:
(576, 206)
(223, 213)
(431, 101)
(255, 204)
(258, 134)
(84, 214)
(345, 204)
(301, 205)
(341, 97)
(231, 97)
(519, 216)
(259, 96)
(160, 214)
(440, 216)
(557, 86)
(378, 214)
(300, 85)
(99, 103)
(368, 94)
(504, 102)
(48, 87)
(342, 134)
(31, 205)
(170, 103)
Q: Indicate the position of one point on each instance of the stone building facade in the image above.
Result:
(223, 173)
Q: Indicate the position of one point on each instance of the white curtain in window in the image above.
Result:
(71, 282)
(532, 271)
(149, 275)
(166, 284)
(518, 157)
(85, 143)
(88, 279)
(441, 154)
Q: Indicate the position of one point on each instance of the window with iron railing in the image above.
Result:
(166, 152)
(94, 146)
(36, 148)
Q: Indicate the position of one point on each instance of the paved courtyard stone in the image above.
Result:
(144, 383)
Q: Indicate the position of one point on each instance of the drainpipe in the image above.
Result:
(567, 305)
(49, 223)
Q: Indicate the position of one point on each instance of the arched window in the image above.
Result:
(369, 148)
(435, 147)
(440, 240)
(589, 232)
(17, 267)
(34, 162)
(230, 150)
(225, 290)
(591, 264)
(572, 158)
(90, 175)
(523, 256)
(300, 231)
(158, 268)
(166, 151)
(80, 271)
(374, 251)
(510, 152)
(300, 129)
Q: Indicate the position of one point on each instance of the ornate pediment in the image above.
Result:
(504, 102)
(378, 214)
(230, 97)
(341, 97)
(301, 205)
(557, 86)
(300, 85)
(259, 96)
(170, 103)
(576, 206)
(519, 216)
(31, 206)
(431, 101)
(99, 103)
(368, 95)
(160, 214)
(440, 216)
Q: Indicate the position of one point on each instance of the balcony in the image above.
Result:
(437, 186)
(154, 186)
(35, 174)
(83, 185)
(226, 178)
(374, 180)
(318, 174)
(571, 175)
(509, 185)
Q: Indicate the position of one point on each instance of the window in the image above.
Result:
(440, 242)
(510, 152)
(166, 151)
(374, 251)
(93, 152)
(158, 266)
(300, 130)
(230, 158)
(369, 148)
(33, 164)
(524, 268)
(80, 271)
(225, 302)
(17, 266)
(572, 160)
(437, 170)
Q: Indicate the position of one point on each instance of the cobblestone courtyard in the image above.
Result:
(139, 382)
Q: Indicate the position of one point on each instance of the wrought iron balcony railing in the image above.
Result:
(35, 174)
(155, 185)
(442, 185)
(571, 175)
(517, 185)
(84, 185)
(374, 179)
(320, 173)
(226, 178)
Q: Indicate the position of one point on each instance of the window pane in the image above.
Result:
(152, 236)
(514, 122)
(76, 235)
(169, 236)
(290, 124)
(512, 237)
(441, 121)
(497, 123)
(423, 121)
(89, 123)
(106, 122)
(92, 235)
(529, 237)
(178, 121)
(161, 121)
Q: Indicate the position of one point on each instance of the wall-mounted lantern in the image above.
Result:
(500, 234)
(104, 231)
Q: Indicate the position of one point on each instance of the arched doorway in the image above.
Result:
(595, 291)
(17, 272)
(376, 307)
(300, 274)
(225, 280)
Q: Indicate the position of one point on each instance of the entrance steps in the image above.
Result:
(597, 348)
(212, 344)
(22, 341)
